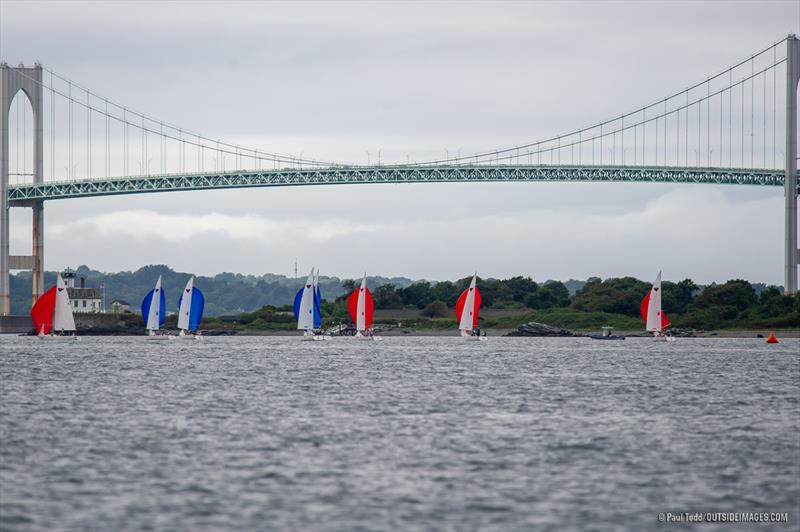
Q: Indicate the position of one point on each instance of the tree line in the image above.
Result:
(733, 303)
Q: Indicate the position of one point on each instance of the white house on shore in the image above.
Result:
(118, 306)
(82, 299)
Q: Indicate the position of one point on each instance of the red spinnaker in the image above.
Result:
(643, 309)
(42, 311)
(369, 307)
(460, 306)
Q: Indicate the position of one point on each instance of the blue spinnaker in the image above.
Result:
(196, 309)
(317, 309)
(298, 298)
(148, 299)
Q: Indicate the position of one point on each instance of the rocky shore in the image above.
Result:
(540, 329)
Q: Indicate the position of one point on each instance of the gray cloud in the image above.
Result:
(335, 80)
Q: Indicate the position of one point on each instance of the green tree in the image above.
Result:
(447, 292)
(386, 297)
(435, 309)
(736, 293)
(417, 294)
(549, 295)
(619, 296)
(519, 288)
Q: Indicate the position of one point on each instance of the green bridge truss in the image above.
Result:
(22, 194)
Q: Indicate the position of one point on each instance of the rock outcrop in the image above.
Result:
(540, 329)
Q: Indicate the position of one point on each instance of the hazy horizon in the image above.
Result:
(303, 274)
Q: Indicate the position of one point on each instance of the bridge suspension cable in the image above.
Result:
(665, 132)
(695, 101)
(111, 112)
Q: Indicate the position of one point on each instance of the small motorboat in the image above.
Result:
(606, 335)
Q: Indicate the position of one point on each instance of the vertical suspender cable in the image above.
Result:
(107, 154)
(601, 145)
(24, 138)
(644, 138)
(764, 125)
(686, 133)
(774, 87)
(742, 146)
(144, 146)
(88, 136)
(16, 139)
(699, 130)
(678, 135)
(708, 122)
(730, 118)
(720, 129)
(69, 171)
(52, 128)
(752, 115)
(665, 131)
(125, 147)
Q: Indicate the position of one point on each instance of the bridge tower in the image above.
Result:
(790, 183)
(29, 81)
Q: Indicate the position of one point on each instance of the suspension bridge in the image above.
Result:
(736, 127)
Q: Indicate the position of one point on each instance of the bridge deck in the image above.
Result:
(20, 194)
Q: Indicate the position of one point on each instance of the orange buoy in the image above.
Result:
(771, 339)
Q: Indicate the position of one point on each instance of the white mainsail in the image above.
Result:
(154, 316)
(361, 319)
(305, 311)
(186, 306)
(62, 317)
(654, 307)
(466, 322)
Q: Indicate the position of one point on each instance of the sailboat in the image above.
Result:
(307, 309)
(154, 310)
(361, 307)
(52, 313)
(467, 309)
(317, 306)
(655, 320)
(190, 311)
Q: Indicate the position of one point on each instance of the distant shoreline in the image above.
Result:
(780, 333)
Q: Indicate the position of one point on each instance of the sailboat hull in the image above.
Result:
(663, 338)
(315, 338)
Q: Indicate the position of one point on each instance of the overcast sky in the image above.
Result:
(336, 80)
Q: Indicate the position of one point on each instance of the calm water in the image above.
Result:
(406, 434)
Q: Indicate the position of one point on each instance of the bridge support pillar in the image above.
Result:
(29, 81)
(790, 183)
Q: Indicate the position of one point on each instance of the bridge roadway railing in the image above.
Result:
(345, 175)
